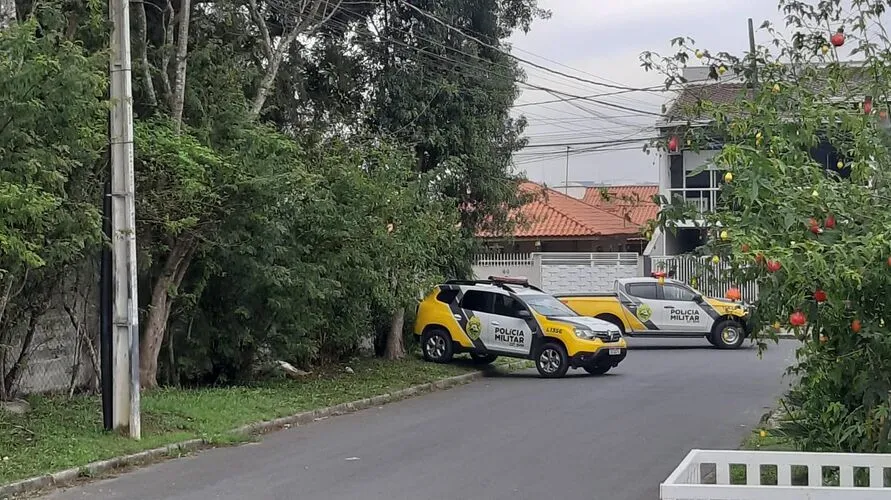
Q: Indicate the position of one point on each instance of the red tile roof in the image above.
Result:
(632, 202)
(556, 215)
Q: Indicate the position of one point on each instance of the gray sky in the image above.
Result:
(601, 40)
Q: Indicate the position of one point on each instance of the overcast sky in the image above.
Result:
(601, 40)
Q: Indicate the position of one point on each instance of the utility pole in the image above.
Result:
(753, 54)
(566, 181)
(125, 322)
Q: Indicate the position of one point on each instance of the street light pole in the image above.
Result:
(125, 322)
(566, 181)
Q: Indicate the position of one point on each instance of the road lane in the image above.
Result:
(510, 436)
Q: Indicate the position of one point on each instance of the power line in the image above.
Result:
(589, 143)
(572, 97)
(507, 53)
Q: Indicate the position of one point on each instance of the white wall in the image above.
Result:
(564, 272)
(523, 265)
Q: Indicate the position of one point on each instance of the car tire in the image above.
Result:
(597, 369)
(436, 344)
(551, 360)
(483, 359)
(728, 334)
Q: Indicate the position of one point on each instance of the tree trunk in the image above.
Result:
(159, 309)
(272, 71)
(10, 377)
(313, 16)
(7, 13)
(177, 100)
(395, 347)
(142, 54)
(164, 71)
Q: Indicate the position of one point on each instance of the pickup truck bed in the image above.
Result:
(591, 294)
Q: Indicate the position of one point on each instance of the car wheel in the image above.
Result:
(551, 360)
(437, 346)
(597, 369)
(728, 334)
(483, 359)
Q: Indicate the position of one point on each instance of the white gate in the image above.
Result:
(711, 279)
(741, 475)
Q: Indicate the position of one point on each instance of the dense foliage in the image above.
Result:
(804, 211)
(304, 170)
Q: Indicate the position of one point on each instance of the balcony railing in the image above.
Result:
(704, 199)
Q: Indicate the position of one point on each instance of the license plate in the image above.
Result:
(615, 352)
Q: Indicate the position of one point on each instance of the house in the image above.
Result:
(703, 189)
(579, 218)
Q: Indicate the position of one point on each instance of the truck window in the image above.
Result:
(642, 290)
(475, 300)
(678, 293)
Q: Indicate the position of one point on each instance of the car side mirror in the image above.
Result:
(697, 298)
(524, 314)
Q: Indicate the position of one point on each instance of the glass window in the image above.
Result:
(507, 306)
(642, 290)
(447, 296)
(678, 293)
(475, 300)
(547, 305)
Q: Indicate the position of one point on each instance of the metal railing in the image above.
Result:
(711, 279)
(504, 260)
(773, 475)
(704, 199)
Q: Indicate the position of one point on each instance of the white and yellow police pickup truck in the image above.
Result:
(652, 307)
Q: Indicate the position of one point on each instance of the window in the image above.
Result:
(507, 306)
(678, 293)
(547, 305)
(447, 296)
(643, 290)
(475, 300)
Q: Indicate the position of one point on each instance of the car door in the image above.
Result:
(478, 307)
(681, 312)
(642, 300)
(510, 332)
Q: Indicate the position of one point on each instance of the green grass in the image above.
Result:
(59, 433)
(770, 442)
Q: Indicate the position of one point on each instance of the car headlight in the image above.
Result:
(584, 333)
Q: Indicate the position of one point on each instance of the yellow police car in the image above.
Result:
(509, 317)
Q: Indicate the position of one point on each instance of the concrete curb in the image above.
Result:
(66, 476)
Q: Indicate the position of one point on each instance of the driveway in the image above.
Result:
(510, 436)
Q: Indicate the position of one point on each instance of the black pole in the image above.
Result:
(105, 311)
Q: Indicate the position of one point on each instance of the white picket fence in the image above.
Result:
(709, 475)
(711, 279)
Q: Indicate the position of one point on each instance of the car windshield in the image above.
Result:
(547, 305)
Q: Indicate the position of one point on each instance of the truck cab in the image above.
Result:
(651, 307)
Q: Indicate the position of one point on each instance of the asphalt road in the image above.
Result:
(510, 436)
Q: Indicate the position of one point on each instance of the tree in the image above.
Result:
(810, 227)
(51, 136)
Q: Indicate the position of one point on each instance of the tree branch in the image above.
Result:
(261, 25)
(166, 46)
(180, 61)
(142, 53)
(277, 55)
